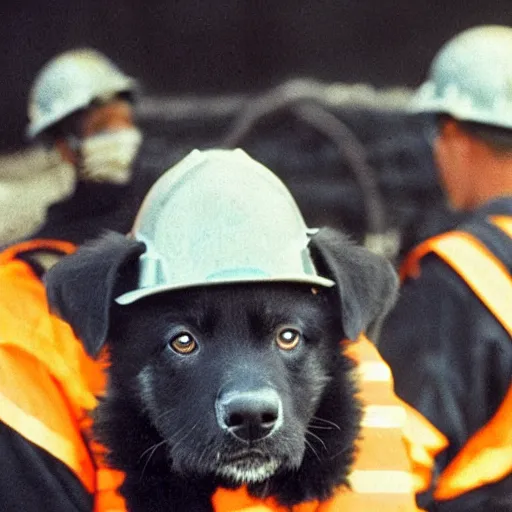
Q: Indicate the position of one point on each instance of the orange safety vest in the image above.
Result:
(47, 381)
(487, 456)
(41, 362)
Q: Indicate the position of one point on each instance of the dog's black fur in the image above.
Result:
(239, 408)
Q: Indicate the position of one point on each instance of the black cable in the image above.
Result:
(353, 151)
(306, 98)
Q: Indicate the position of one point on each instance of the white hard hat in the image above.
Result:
(471, 78)
(70, 82)
(220, 217)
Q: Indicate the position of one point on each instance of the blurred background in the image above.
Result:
(315, 90)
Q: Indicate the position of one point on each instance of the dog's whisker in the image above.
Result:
(335, 425)
(153, 449)
(165, 413)
(203, 453)
(316, 437)
(340, 452)
(177, 433)
(317, 427)
(177, 443)
(310, 446)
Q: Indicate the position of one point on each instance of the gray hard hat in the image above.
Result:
(219, 217)
(70, 82)
(471, 78)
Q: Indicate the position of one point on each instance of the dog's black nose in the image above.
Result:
(250, 415)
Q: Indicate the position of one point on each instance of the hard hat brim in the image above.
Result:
(129, 86)
(136, 295)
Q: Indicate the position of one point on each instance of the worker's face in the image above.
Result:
(114, 116)
(108, 144)
(450, 158)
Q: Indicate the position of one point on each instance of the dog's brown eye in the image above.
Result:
(183, 343)
(287, 339)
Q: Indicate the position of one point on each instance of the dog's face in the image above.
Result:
(231, 376)
(225, 384)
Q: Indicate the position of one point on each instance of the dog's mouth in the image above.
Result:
(248, 466)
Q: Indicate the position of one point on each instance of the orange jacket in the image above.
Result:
(47, 382)
(42, 363)
(487, 456)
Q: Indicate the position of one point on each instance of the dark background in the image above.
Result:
(227, 46)
(229, 52)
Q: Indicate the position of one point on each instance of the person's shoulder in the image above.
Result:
(423, 263)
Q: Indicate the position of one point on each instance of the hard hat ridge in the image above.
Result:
(220, 217)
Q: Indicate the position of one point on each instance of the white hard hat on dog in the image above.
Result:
(220, 217)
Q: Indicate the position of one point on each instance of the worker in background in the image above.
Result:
(449, 338)
(81, 108)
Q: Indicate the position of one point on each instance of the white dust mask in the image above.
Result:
(108, 157)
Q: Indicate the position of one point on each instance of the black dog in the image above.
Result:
(226, 385)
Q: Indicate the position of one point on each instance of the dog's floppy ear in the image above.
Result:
(80, 287)
(366, 282)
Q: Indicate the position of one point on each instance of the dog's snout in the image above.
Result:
(250, 415)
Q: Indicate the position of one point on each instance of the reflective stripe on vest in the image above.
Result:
(25, 386)
(487, 456)
(381, 478)
(47, 382)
